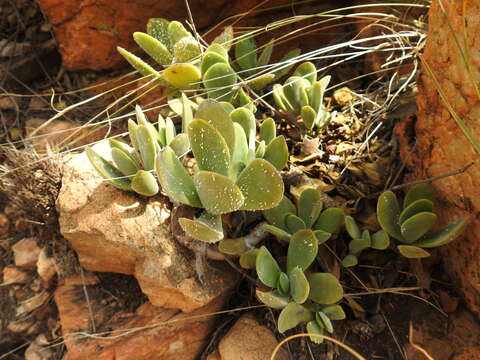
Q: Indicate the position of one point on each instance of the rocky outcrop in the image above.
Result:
(97, 329)
(441, 146)
(116, 231)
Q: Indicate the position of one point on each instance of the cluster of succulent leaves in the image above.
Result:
(303, 295)
(362, 240)
(411, 225)
(188, 66)
(133, 168)
(302, 94)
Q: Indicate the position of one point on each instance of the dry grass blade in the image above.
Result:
(417, 347)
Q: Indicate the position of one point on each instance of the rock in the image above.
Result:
(4, 223)
(89, 31)
(13, 275)
(31, 304)
(441, 145)
(148, 333)
(117, 231)
(248, 340)
(25, 252)
(61, 134)
(38, 349)
(46, 267)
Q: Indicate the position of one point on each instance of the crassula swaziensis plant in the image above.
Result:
(286, 219)
(362, 240)
(302, 95)
(132, 169)
(227, 177)
(411, 225)
(303, 295)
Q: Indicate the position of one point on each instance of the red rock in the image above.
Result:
(148, 333)
(89, 31)
(13, 275)
(248, 340)
(25, 252)
(441, 145)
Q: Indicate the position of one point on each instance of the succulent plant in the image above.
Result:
(302, 94)
(225, 179)
(286, 219)
(256, 66)
(133, 168)
(302, 295)
(362, 240)
(411, 225)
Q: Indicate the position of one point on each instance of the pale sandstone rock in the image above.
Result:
(25, 252)
(46, 267)
(14, 275)
(38, 349)
(117, 231)
(150, 333)
(248, 340)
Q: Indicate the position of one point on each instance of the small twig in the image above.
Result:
(87, 298)
(431, 179)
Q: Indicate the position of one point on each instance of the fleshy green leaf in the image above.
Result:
(225, 38)
(239, 156)
(182, 76)
(352, 227)
(107, 170)
(268, 270)
(276, 152)
(154, 48)
(260, 82)
(276, 216)
(175, 180)
(209, 147)
(330, 220)
(246, 55)
(418, 225)
(280, 234)
(177, 31)
(350, 260)
(218, 194)
(294, 223)
(281, 100)
(307, 71)
(246, 119)
(299, 286)
(420, 191)
(268, 130)
(147, 147)
(186, 49)
(415, 207)
(444, 235)
(380, 240)
(324, 288)
(141, 66)
(388, 212)
(315, 330)
(124, 162)
(283, 68)
(321, 236)
(272, 299)
(261, 185)
(292, 315)
(309, 206)
(235, 246)
(412, 252)
(264, 57)
(180, 145)
(144, 183)
(308, 116)
(302, 250)
(219, 80)
(211, 58)
(214, 113)
(318, 92)
(206, 231)
(283, 285)
(358, 244)
(248, 259)
(325, 321)
(260, 152)
(334, 312)
(158, 28)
